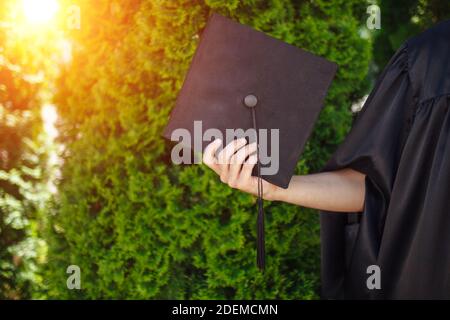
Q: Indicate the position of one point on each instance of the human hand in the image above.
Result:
(234, 165)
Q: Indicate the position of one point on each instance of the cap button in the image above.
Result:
(250, 101)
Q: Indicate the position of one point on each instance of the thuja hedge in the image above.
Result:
(23, 154)
(141, 227)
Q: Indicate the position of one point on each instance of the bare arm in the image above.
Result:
(341, 190)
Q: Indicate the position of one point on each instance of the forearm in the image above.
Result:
(341, 191)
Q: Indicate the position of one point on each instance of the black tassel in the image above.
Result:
(251, 101)
(260, 254)
(260, 242)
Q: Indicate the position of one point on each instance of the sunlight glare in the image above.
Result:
(49, 117)
(39, 11)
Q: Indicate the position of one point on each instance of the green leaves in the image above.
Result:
(139, 226)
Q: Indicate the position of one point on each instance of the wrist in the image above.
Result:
(274, 193)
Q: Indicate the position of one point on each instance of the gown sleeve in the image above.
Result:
(372, 147)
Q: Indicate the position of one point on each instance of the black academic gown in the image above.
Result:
(401, 142)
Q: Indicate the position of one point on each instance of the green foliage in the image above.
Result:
(141, 227)
(22, 174)
(403, 19)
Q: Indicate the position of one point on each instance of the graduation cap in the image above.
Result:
(241, 78)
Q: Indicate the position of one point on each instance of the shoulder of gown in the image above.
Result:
(428, 62)
(374, 142)
(389, 125)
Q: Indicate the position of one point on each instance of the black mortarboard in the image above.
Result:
(236, 67)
